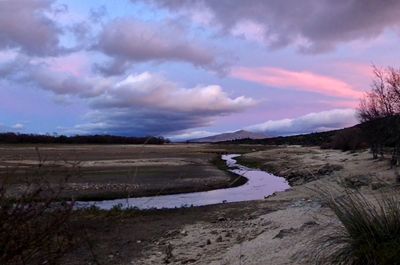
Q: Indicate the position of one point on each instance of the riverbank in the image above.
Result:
(278, 230)
(104, 172)
(257, 186)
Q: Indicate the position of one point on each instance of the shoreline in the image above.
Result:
(259, 184)
(235, 180)
(276, 230)
(112, 172)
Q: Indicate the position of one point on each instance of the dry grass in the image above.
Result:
(368, 234)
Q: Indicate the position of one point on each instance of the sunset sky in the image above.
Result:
(187, 69)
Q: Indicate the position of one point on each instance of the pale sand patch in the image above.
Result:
(105, 163)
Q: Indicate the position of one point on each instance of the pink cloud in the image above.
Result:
(76, 64)
(351, 104)
(358, 74)
(361, 69)
(304, 81)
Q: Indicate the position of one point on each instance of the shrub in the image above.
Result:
(34, 222)
(349, 139)
(369, 233)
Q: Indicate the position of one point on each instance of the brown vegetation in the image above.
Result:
(34, 224)
(348, 139)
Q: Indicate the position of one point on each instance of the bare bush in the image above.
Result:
(349, 139)
(34, 221)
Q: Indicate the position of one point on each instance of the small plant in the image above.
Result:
(369, 233)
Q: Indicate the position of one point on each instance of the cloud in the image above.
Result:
(138, 122)
(129, 41)
(18, 127)
(148, 89)
(149, 104)
(136, 104)
(312, 122)
(312, 26)
(250, 30)
(304, 81)
(59, 75)
(25, 26)
(97, 14)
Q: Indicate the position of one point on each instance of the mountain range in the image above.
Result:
(241, 134)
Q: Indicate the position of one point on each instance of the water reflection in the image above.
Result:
(259, 185)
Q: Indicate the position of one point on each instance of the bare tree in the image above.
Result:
(384, 98)
(379, 112)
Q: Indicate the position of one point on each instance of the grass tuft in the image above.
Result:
(368, 234)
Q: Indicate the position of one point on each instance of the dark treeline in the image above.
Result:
(311, 139)
(382, 133)
(16, 138)
(378, 134)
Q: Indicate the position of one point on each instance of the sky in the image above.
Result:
(190, 68)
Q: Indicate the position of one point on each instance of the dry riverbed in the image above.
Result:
(99, 172)
(281, 229)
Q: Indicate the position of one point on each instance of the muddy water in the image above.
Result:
(259, 185)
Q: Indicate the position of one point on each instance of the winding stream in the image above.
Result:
(259, 185)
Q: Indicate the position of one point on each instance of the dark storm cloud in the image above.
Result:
(311, 25)
(139, 122)
(150, 104)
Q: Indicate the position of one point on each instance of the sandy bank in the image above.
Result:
(284, 233)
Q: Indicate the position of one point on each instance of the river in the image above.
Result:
(259, 185)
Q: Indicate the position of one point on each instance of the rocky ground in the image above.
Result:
(282, 229)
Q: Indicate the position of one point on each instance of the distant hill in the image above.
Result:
(316, 138)
(346, 139)
(238, 135)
